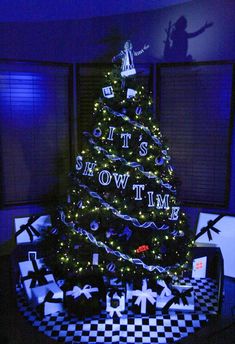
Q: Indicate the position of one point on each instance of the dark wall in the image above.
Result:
(97, 40)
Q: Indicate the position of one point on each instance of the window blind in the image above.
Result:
(35, 131)
(195, 117)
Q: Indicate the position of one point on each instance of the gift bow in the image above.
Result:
(178, 296)
(162, 289)
(37, 276)
(86, 290)
(144, 295)
(210, 227)
(29, 228)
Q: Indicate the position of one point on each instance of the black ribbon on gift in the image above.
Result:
(48, 298)
(29, 228)
(36, 276)
(210, 227)
(178, 296)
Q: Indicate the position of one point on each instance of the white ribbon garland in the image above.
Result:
(86, 290)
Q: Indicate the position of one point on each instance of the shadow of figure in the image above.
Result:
(176, 43)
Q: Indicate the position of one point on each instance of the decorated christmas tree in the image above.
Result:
(122, 217)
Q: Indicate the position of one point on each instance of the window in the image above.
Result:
(195, 117)
(35, 131)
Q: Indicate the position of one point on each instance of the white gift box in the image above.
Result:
(221, 230)
(120, 299)
(29, 229)
(26, 268)
(177, 306)
(47, 299)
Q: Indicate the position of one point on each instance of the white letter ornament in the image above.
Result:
(162, 202)
(174, 213)
(89, 167)
(138, 188)
(121, 180)
(143, 148)
(126, 137)
(110, 136)
(105, 177)
(130, 93)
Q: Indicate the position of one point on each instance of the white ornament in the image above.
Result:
(121, 180)
(130, 93)
(105, 177)
(143, 148)
(89, 167)
(79, 163)
(126, 137)
(174, 213)
(162, 202)
(140, 137)
(138, 188)
(108, 92)
(110, 136)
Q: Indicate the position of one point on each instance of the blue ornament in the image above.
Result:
(94, 225)
(54, 230)
(111, 267)
(97, 132)
(159, 161)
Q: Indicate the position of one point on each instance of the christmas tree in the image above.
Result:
(122, 217)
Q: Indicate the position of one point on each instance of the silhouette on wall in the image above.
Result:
(176, 43)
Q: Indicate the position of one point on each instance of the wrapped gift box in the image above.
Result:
(218, 230)
(33, 273)
(115, 302)
(181, 299)
(199, 267)
(29, 229)
(47, 299)
(144, 299)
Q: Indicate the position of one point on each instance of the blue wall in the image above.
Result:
(98, 39)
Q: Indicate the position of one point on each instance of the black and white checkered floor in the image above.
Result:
(130, 328)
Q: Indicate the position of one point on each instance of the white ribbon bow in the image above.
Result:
(143, 296)
(86, 290)
(166, 291)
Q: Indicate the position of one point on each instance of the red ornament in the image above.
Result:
(142, 248)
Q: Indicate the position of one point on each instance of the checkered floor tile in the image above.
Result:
(130, 328)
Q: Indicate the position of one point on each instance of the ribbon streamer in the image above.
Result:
(210, 227)
(118, 254)
(133, 220)
(132, 164)
(134, 123)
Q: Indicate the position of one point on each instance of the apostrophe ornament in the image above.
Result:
(138, 110)
(94, 225)
(79, 163)
(97, 132)
(159, 161)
